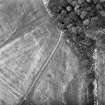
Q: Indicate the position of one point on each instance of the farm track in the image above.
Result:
(42, 71)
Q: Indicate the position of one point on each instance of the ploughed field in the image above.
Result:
(27, 38)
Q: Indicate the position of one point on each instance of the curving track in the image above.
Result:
(42, 70)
